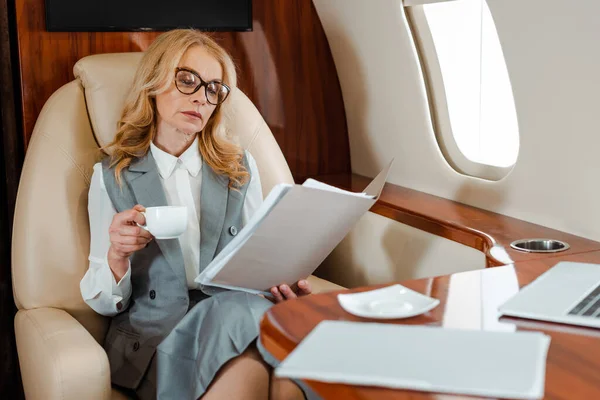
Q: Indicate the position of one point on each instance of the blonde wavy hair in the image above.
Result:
(138, 123)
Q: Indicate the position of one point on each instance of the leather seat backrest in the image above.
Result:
(51, 229)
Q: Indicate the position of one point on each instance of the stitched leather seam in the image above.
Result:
(45, 339)
(40, 332)
(255, 134)
(69, 157)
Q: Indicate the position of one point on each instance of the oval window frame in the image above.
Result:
(438, 105)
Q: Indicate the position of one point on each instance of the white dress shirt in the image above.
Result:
(181, 180)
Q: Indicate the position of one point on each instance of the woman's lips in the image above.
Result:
(192, 114)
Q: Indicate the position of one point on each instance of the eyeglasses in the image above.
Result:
(189, 82)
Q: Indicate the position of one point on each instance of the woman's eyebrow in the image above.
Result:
(197, 73)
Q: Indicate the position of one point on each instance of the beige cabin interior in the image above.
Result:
(328, 89)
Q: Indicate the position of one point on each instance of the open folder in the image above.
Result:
(288, 237)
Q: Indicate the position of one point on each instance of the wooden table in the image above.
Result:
(467, 300)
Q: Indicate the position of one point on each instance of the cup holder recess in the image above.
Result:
(539, 245)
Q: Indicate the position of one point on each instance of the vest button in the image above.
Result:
(152, 294)
(136, 346)
(119, 306)
(233, 230)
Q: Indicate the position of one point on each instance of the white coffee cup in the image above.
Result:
(166, 222)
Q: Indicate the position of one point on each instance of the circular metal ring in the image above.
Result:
(539, 245)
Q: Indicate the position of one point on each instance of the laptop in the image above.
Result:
(568, 293)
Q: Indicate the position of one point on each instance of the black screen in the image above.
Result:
(141, 15)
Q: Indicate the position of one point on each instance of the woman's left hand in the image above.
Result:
(284, 292)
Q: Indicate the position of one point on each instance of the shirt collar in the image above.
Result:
(166, 163)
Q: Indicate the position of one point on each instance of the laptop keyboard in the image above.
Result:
(589, 306)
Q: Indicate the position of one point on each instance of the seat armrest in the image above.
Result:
(321, 285)
(58, 357)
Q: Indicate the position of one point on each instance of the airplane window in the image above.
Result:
(468, 80)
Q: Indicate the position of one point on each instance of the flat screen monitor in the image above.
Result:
(147, 15)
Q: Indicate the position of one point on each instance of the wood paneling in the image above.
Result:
(285, 68)
(10, 166)
(483, 230)
(573, 358)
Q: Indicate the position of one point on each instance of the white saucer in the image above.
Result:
(390, 302)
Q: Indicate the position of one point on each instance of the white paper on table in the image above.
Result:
(432, 359)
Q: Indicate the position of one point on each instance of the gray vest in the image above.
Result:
(160, 298)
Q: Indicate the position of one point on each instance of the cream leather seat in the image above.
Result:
(58, 336)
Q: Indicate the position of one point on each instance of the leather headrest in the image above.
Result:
(106, 79)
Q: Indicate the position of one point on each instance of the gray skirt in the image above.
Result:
(214, 330)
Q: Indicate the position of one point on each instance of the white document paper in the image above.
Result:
(432, 359)
(293, 231)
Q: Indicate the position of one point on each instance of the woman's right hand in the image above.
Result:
(126, 238)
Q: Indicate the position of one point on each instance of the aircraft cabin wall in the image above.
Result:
(553, 58)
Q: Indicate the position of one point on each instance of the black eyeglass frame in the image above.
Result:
(202, 83)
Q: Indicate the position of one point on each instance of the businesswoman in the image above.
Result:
(170, 338)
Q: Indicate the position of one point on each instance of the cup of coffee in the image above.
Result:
(166, 222)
